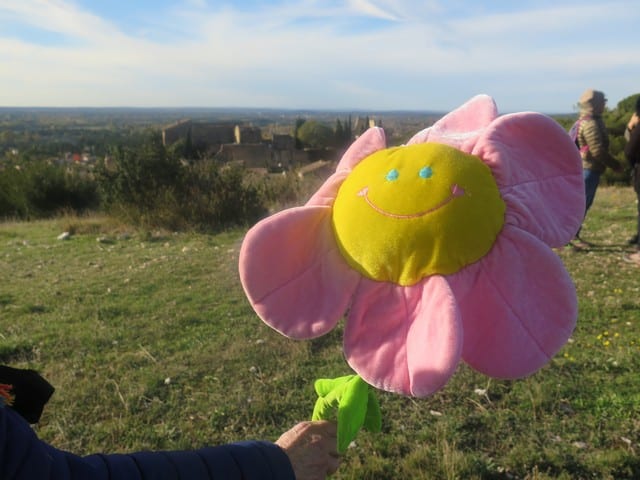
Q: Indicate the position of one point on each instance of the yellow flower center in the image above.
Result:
(408, 212)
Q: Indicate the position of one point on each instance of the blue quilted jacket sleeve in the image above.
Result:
(25, 457)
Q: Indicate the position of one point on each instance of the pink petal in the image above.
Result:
(293, 275)
(462, 126)
(404, 339)
(518, 306)
(539, 172)
(369, 142)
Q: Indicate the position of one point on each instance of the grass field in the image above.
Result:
(151, 344)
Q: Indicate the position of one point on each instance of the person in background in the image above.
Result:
(633, 121)
(593, 141)
(308, 451)
(632, 154)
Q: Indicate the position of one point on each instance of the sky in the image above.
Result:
(371, 55)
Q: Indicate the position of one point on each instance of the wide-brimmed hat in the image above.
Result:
(593, 98)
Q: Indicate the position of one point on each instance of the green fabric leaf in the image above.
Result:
(373, 418)
(356, 405)
(352, 410)
(324, 386)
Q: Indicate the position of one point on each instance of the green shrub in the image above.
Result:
(36, 189)
(12, 198)
(278, 191)
(216, 196)
(149, 185)
(138, 179)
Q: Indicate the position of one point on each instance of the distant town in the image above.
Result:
(255, 138)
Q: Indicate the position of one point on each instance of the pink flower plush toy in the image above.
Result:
(436, 251)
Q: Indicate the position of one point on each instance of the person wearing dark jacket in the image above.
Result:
(593, 141)
(632, 154)
(305, 452)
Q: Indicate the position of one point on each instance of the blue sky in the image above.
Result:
(328, 54)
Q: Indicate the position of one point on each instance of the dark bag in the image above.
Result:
(24, 391)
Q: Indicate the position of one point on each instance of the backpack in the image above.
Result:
(573, 134)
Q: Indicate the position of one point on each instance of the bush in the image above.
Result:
(36, 189)
(147, 185)
(150, 186)
(216, 196)
(139, 184)
(12, 197)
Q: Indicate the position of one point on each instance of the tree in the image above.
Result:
(315, 135)
(343, 133)
(299, 123)
(339, 133)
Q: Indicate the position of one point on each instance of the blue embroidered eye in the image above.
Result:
(425, 172)
(392, 175)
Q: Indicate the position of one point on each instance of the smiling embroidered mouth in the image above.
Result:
(456, 191)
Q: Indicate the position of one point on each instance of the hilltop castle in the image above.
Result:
(245, 144)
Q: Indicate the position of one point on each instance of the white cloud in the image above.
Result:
(305, 54)
(196, 3)
(369, 8)
(57, 16)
